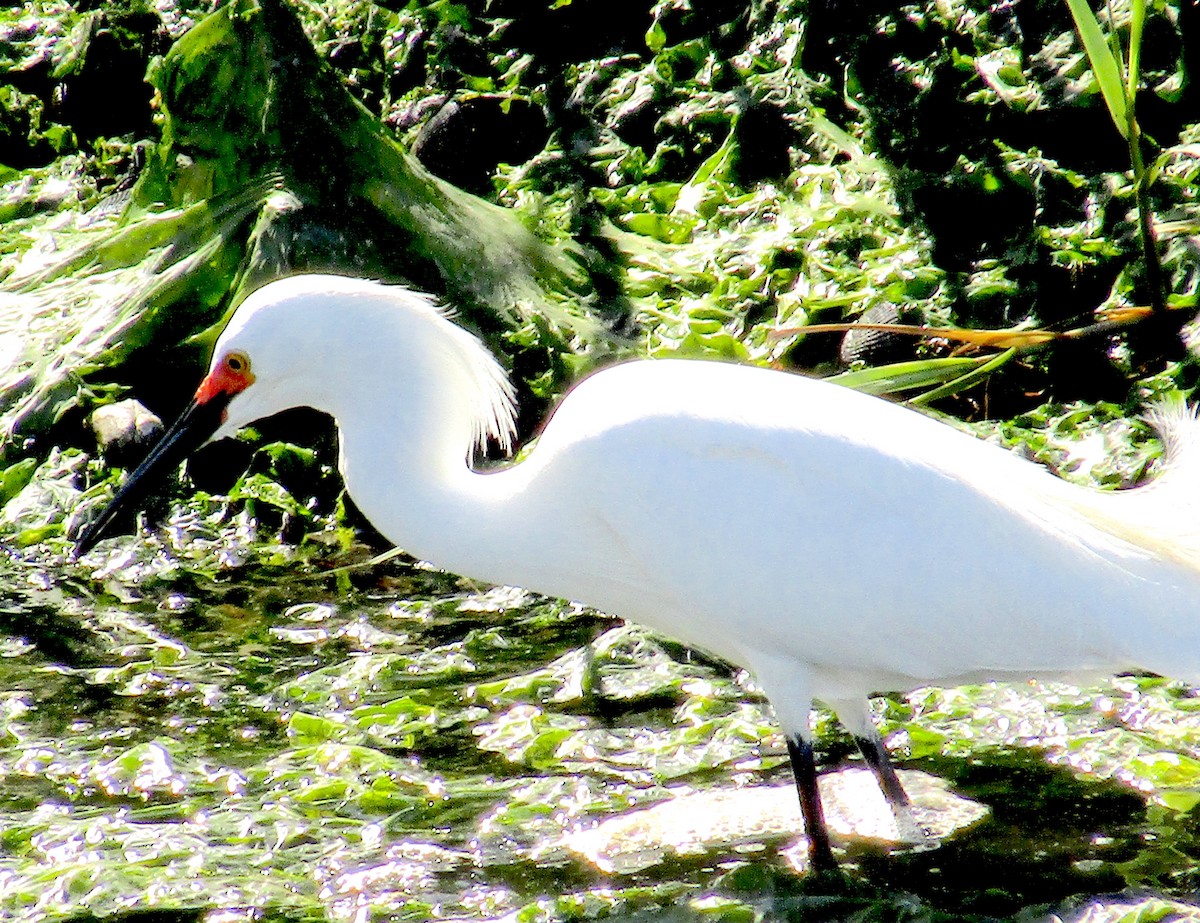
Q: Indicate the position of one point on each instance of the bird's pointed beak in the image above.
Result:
(194, 427)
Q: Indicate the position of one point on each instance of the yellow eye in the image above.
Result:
(238, 363)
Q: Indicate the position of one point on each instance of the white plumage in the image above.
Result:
(833, 543)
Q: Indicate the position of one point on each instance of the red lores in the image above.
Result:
(231, 376)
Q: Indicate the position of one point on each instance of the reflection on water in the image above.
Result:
(402, 743)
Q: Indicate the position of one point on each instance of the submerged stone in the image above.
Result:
(125, 431)
(695, 822)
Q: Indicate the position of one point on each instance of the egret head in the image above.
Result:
(279, 349)
(261, 365)
(336, 344)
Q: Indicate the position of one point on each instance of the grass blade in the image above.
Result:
(981, 371)
(1135, 48)
(1105, 64)
(907, 376)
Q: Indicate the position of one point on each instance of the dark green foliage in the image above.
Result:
(212, 716)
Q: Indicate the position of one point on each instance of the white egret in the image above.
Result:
(833, 543)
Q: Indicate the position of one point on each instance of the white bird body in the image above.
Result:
(833, 543)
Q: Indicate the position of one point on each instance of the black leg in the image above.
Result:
(876, 755)
(804, 768)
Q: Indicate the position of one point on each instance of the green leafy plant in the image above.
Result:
(1117, 75)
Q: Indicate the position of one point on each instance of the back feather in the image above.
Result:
(1161, 517)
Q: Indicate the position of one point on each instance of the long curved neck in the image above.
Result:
(410, 476)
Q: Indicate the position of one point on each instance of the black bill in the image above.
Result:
(194, 427)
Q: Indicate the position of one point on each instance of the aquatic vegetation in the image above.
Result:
(187, 727)
(223, 722)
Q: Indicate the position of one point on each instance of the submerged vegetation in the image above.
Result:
(242, 716)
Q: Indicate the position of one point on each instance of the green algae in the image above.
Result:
(213, 720)
(212, 734)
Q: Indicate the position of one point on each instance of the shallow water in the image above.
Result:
(220, 725)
